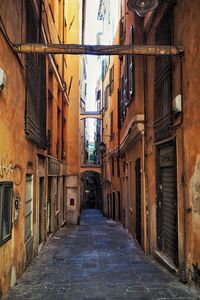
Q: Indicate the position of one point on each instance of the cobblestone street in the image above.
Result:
(96, 260)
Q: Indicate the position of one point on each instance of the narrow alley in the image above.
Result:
(96, 260)
(99, 149)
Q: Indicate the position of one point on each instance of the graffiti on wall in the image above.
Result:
(9, 169)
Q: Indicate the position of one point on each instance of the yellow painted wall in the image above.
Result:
(15, 152)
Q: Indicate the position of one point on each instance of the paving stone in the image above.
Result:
(97, 260)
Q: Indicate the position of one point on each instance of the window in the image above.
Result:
(35, 112)
(131, 67)
(121, 102)
(51, 6)
(118, 166)
(111, 80)
(113, 166)
(28, 209)
(163, 80)
(106, 97)
(111, 126)
(119, 109)
(126, 81)
(122, 97)
(122, 30)
(6, 200)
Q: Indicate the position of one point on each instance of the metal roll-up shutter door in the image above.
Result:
(167, 206)
(169, 209)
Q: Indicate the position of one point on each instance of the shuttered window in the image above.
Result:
(126, 81)
(113, 166)
(122, 30)
(35, 113)
(106, 97)
(123, 94)
(111, 127)
(111, 74)
(6, 201)
(163, 80)
(131, 67)
(119, 109)
(28, 208)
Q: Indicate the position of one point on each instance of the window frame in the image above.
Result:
(111, 80)
(131, 66)
(29, 178)
(5, 184)
(106, 97)
(113, 166)
(111, 127)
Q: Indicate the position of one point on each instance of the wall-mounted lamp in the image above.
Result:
(141, 7)
(2, 79)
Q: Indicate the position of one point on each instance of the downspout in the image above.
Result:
(148, 229)
(40, 21)
(63, 91)
(63, 123)
(183, 276)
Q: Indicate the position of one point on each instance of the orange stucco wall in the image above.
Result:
(15, 152)
(186, 33)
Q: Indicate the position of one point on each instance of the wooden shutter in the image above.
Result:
(131, 67)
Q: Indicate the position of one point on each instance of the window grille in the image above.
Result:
(163, 80)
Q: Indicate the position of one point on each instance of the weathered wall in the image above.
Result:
(15, 150)
(189, 36)
(73, 75)
(187, 141)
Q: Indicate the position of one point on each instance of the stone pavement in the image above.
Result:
(97, 260)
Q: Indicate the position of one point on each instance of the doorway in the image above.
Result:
(167, 223)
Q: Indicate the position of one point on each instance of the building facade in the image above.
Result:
(36, 158)
(155, 117)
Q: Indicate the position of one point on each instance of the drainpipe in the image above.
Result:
(183, 276)
(148, 229)
(63, 61)
(40, 21)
